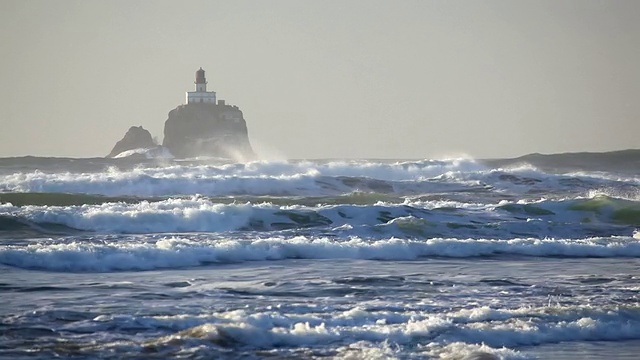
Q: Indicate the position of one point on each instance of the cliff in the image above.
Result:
(136, 138)
(216, 130)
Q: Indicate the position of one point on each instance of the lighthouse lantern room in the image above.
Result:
(201, 95)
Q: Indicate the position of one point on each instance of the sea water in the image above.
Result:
(345, 259)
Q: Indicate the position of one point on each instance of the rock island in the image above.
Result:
(203, 127)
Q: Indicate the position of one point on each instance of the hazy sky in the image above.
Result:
(385, 79)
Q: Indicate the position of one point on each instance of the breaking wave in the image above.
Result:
(310, 179)
(104, 254)
(574, 218)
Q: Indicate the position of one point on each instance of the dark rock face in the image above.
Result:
(135, 138)
(216, 130)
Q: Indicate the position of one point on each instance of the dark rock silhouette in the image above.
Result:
(136, 138)
(201, 129)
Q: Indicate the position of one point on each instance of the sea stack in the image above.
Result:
(136, 137)
(203, 127)
(207, 127)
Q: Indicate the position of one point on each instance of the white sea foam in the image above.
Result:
(528, 178)
(256, 178)
(449, 335)
(199, 214)
(384, 288)
(155, 153)
(305, 178)
(177, 252)
(557, 219)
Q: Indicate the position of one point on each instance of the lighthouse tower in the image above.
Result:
(201, 95)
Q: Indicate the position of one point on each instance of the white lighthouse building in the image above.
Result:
(201, 95)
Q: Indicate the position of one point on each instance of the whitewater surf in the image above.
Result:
(535, 257)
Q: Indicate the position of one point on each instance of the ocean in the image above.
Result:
(529, 258)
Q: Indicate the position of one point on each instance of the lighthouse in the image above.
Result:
(201, 95)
